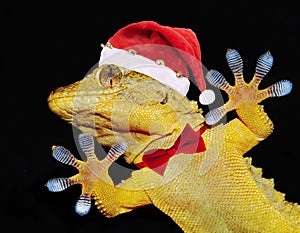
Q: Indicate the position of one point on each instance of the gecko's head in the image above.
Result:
(115, 104)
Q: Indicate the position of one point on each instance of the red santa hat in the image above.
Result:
(169, 54)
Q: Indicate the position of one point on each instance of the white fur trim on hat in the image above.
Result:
(146, 66)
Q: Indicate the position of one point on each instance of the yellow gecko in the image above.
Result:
(215, 189)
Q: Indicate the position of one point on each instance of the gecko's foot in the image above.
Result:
(243, 93)
(90, 171)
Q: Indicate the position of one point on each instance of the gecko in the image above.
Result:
(214, 188)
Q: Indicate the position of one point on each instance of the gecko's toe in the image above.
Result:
(58, 184)
(83, 205)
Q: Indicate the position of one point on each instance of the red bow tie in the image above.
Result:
(189, 142)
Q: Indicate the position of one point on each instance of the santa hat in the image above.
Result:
(169, 54)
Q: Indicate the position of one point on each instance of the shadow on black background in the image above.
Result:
(44, 47)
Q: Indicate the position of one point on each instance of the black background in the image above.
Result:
(46, 46)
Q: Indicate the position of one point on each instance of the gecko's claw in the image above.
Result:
(243, 93)
(89, 171)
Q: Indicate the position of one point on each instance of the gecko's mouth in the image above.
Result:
(61, 106)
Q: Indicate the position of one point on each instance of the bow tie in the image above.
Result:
(189, 142)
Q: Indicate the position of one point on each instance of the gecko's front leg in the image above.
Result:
(245, 97)
(95, 181)
(263, 210)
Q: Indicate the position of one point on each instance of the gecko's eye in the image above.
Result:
(109, 76)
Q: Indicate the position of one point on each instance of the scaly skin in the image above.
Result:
(217, 190)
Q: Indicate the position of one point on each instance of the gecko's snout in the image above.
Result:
(61, 104)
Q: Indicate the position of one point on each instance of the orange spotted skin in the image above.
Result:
(217, 190)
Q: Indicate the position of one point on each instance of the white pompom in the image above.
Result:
(207, 97)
